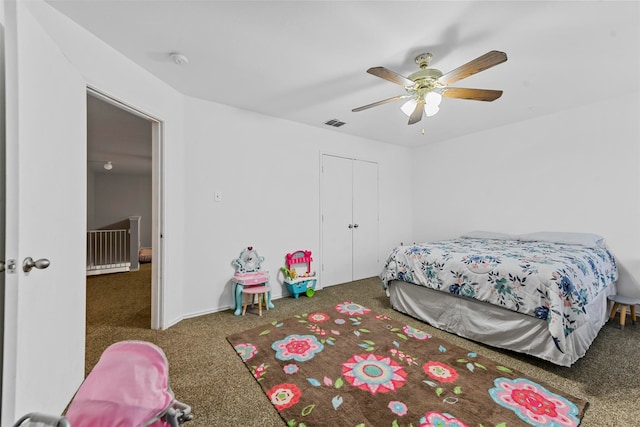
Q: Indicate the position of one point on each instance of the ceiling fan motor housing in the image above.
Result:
(425, 80)
(425, 74)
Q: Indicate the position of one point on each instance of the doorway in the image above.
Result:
(124, 147)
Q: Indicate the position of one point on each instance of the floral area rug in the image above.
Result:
(348, 366)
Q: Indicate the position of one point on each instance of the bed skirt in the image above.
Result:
(496, 326)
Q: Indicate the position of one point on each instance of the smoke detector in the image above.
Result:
(179, 58)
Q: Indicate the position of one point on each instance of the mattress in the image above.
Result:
(496, 326)
(507, 287)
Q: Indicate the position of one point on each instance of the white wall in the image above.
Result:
(109, 72)
(267, 171)
(116, 197)
(209, 147)
(578, 170)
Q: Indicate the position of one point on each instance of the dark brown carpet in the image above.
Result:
(206, 372)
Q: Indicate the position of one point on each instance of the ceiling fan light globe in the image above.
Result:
(408, 107)
(433, 98)
(431, 110)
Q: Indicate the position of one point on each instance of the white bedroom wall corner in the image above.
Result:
(273, 163)
(628, 277)
(111, 73)
(576, 170)
(266, 171)
(623, 235)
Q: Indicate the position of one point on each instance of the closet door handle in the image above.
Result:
(355, 226)
(350, 225)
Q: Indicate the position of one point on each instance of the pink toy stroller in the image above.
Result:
(129, 386)
(38, 420)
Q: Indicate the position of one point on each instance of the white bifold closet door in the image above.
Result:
(349, 203)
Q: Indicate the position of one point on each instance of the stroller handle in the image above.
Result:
(178, 413)
(49, 420)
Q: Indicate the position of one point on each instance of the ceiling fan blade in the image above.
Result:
(384, 101)
(391, 76)
(481, 63)
(472, 94)
(416, 116)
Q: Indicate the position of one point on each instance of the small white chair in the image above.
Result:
(622, 302)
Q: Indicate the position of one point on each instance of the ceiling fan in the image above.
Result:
(426, 87)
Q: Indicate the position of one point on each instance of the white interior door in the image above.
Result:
(349, 220)
(45, 217)
(365, 220)
(337, 200)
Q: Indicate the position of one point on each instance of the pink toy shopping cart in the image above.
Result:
(129, 386)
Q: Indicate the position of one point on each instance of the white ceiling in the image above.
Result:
(306, 61)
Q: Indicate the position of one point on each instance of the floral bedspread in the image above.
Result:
(551, 281)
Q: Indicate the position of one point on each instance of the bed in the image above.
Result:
(144, 255)
(542, 294)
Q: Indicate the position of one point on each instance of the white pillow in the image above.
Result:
(584, 239)
(489, 235)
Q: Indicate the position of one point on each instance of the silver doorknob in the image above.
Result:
(350, 225)
(29, 263)
(355, 226)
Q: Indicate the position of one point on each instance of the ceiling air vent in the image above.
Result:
(335, 123)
